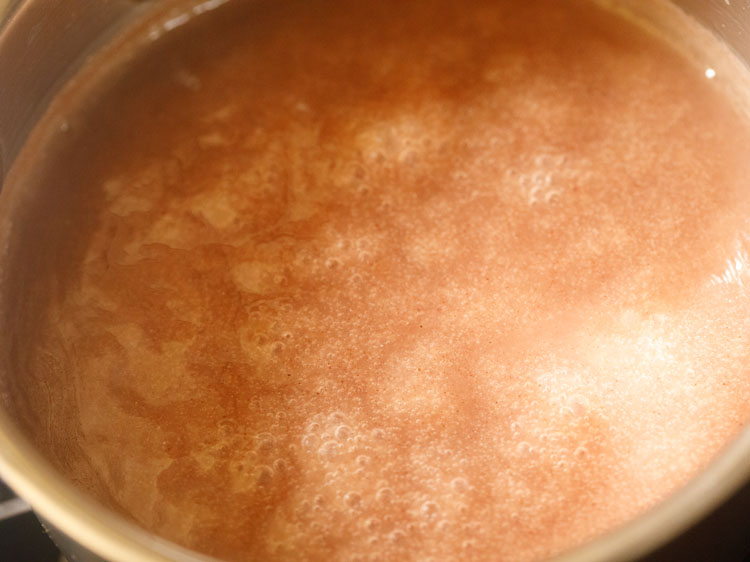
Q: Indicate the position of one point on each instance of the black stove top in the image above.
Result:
(22, 538)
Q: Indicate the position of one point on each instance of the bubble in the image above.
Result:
(474, 527)
(314, 427)
(460, 485)
(330, 478)
(342, 432)
(384, 495)
(303, 508)
(310, 441)
(363, 460)
(524, 448)
(469, 544)
(363, 189)
(333, 263)
(407, 156)
(353, 499)
(567, 411)
(280, 465)
(319, 500)
(329, 450)
(264, 475)
(226, 426)
(579, 404)
(277, 347)
(371, 524)
(429, 509)
(396, 537)
(337, 417)
(539, 178)
(264, 442)
(378, 433)
(443, 526)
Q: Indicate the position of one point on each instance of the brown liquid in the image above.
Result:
(397, 281)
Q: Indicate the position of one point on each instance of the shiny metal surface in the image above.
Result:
(42, 44)
(727, 19)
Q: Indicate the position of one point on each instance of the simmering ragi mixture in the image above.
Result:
(426, 280)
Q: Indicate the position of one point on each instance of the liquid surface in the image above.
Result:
(434, 281)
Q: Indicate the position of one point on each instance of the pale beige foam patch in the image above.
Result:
(403, 137)
(256, 277)
(648, 379)
(220, 210)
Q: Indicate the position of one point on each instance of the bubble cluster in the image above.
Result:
(544, 178)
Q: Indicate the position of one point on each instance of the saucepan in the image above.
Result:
(43, 43)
